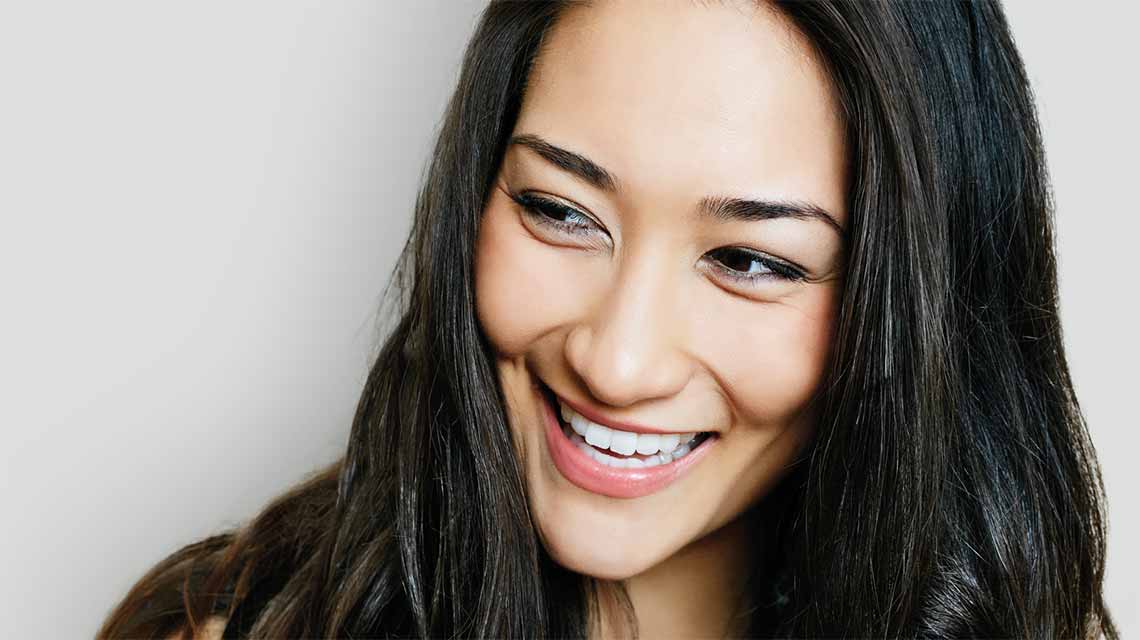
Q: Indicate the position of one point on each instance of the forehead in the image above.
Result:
(680, 98)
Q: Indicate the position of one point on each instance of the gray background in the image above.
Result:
(200, 202)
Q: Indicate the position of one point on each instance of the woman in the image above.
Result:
(717, 319)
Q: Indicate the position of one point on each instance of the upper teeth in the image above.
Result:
(624, 442)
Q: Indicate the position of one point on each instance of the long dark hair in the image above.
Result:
(951, 490)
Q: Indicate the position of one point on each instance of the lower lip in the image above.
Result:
(594, 476)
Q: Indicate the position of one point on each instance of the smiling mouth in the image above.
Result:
(622, 449)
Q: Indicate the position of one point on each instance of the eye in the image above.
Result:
(751, 267)
(738, 264)
(554, 215)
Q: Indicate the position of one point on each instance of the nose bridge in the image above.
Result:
(628, 349)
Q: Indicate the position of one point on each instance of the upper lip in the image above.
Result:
(593, 416)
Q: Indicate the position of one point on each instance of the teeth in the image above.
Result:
(668, 442)
(648, 443)
(667, 446)
(599, 436)
(577, 422)
(624, 442)
(622, 463)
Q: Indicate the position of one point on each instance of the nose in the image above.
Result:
(631, 347)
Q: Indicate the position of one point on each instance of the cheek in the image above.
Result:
(506, 275)
(521, 292)
(778, 354)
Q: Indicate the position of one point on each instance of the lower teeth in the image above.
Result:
(630, 462)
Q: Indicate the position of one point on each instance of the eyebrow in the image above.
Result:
(720, 208)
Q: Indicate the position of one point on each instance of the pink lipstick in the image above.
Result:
(581, 469)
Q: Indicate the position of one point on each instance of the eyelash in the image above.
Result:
(540, 208)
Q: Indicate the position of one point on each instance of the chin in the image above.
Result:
(606, 538)
(601, 556)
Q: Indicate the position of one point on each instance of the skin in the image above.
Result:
(633, 318)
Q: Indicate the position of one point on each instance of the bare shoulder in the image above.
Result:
(211, 630)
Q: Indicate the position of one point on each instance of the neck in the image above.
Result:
(698, 592)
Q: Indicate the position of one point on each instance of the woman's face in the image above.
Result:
(637, 289)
